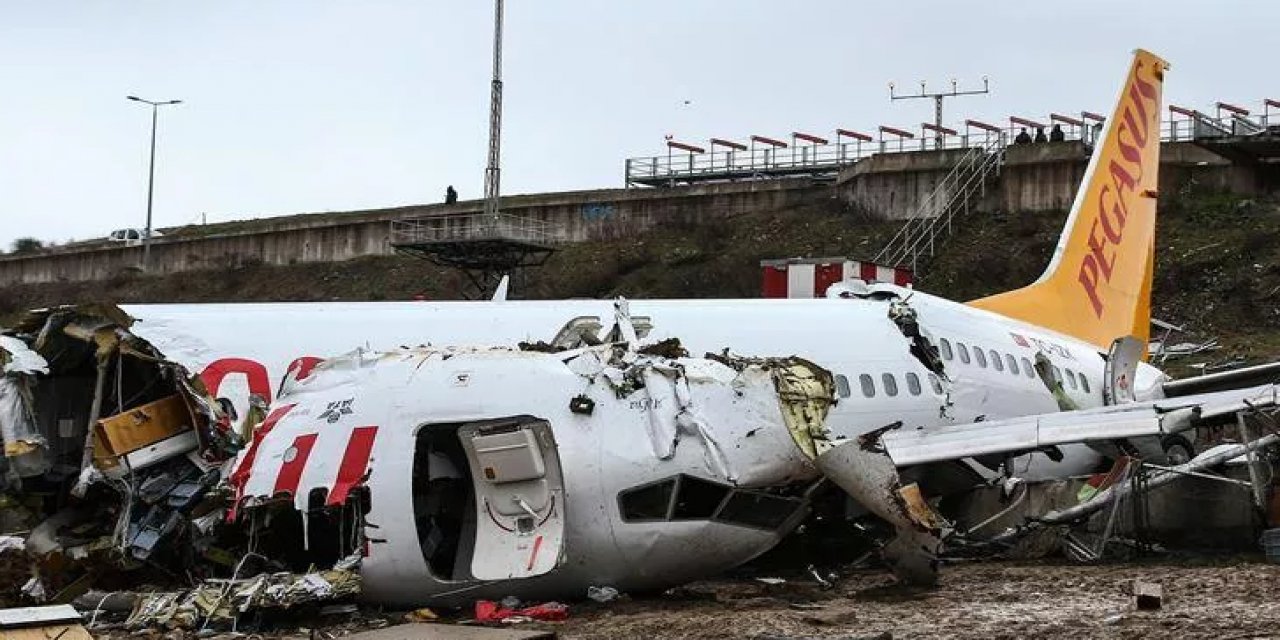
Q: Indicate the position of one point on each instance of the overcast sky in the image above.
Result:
(297, 106)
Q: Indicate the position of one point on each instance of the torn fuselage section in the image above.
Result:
(903, 315)
(484, 469)
(108, 446)
(24, 443)
(864, 470)
(921, 347)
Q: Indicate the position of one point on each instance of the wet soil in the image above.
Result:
(987, 600)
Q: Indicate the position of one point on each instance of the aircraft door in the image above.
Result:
(519, 498)
(1121, 367)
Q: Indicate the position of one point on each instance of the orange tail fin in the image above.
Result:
(1098, 284)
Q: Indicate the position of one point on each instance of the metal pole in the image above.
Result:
(492, 173)
(95, 412)
(1255, 475)
(151, 173)
(937, 119)
(151, 183)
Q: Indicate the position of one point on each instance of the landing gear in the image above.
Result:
(1177, 450)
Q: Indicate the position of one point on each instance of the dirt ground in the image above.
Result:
(989, 600)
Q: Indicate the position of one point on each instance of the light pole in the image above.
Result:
(151, 175)
(493, 171)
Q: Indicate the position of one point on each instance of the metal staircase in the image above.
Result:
(954, 195)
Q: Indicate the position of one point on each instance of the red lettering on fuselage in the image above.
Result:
(300, 368)
(1106, 230)
(256, 375)
(254, 372)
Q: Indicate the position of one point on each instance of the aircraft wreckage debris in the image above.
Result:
(121, 469)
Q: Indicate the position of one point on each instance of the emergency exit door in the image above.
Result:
(519, 498)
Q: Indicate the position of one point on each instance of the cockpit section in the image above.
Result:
(687, 497)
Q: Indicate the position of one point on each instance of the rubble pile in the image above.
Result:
(121, 473)
(114, 476)
(220, 603)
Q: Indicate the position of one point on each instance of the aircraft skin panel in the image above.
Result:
(1097, 286)
(850, 337)
(600, 455)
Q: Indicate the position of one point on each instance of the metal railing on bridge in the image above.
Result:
(1200, 126)
(826, 160)
(760, 162)
(470, 227)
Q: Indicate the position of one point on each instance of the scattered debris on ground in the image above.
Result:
(1213, 598)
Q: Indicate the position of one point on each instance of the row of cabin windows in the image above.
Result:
(889, 382)
(1007, 361)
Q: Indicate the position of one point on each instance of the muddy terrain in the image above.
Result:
(1219, 598)
(978, 600)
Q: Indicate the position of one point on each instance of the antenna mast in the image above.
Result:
(937, 101)
(492, 172)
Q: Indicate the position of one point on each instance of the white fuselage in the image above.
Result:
(579, 534)
(851, 337)
(878, 382)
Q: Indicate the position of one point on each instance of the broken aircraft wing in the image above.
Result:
(1028, 433)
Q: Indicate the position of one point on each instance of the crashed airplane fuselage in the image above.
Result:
(984, 368)
(587, 474)
(893, 356)
(489, 472)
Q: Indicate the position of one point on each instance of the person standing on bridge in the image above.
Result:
(450, 195)
(1056, 134)
(1023, 137)
(1040, 137)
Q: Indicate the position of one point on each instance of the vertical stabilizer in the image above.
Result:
(1098, 284)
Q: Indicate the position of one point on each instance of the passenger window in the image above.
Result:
(1057, 373)
(913, 384)
(995, 361)
(868, 385)
(935, 383)
(946, 349)
(842, 386)
(650, 502)
(1028, 369)
(1071, 378)
(964, 352)
(890, 385)
(697, 499)
(1012, 362)
(1084, 383)
(980, 357)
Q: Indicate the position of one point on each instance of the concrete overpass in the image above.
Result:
(1038, 177)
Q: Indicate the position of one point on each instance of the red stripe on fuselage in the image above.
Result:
(354, 462)
(291, 471)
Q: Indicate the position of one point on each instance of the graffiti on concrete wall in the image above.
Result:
(597, 211)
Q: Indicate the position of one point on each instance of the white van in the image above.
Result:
(131, 237)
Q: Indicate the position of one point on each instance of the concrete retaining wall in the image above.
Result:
(1040, 177)
(579, 216)
(895, 185)
(1036, 177)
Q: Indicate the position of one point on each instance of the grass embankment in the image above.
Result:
(1217, 267)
